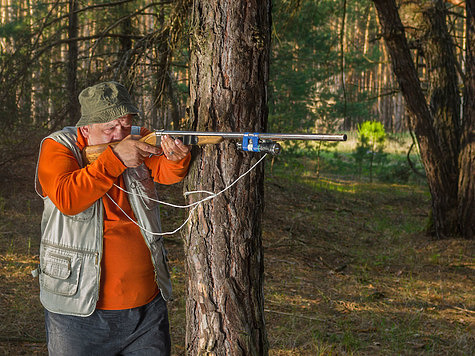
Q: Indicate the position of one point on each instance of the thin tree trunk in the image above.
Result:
(175, 113)
(439, 169)
(73, 110)
(126, 71)
(223, 243)
(347, 120)
(466, 184)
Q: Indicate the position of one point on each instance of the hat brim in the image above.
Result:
(107, 115)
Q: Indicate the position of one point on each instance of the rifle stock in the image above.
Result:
(254, 142)
(90, 153)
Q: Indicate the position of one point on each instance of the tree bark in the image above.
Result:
(466, 184)
(434, 131)
(73, 109)
(444, 104)
(125, 69)
(223, 243)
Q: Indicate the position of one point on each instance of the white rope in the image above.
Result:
(151, 232)
(192, 205)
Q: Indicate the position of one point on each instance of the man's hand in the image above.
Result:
(133, 152)
(174, 150)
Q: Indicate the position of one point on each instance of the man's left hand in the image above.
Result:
(174, 150)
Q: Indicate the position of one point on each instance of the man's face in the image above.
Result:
(111, 131)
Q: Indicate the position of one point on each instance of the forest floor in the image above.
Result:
(348, 270)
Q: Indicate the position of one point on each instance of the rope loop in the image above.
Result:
(193, 206)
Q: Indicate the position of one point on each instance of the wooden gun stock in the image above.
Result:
(90, 153)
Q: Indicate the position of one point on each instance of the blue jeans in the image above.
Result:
(139, 331)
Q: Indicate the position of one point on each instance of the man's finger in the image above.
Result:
(145, 147)
(182, 147)
(180, 144)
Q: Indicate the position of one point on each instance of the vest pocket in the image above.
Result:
(60, 271)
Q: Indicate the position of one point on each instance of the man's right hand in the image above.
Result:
(133, 152)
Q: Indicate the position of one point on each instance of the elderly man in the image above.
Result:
(103, 274)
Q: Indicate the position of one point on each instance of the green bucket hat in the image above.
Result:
(104, 102)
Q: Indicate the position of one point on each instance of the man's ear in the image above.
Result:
(86, 131)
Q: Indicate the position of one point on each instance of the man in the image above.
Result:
(103, 273)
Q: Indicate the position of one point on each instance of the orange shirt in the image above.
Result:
(127, 273)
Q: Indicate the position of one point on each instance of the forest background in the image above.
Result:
(330, 71)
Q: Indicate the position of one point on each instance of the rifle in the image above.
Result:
(252, 142)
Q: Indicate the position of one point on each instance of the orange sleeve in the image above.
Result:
(168, 172)
(72, 188)
(164, 171)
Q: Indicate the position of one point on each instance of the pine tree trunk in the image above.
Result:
(466, 188)
(73, 109)
(444, 105)
(434, 135)
(223, 242)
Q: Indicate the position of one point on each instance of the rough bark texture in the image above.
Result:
(466, 189)
(435, 125)
(223, 245)
(444, 104)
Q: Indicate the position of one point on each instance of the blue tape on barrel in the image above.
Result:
(135, 130)
(250, 142)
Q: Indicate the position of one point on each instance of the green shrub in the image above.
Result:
(370, 145)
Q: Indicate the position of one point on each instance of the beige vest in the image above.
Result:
(71, 246)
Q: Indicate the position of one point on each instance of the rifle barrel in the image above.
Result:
(264, 136)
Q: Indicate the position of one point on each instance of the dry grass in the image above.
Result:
(361, 278)
(348, 271)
